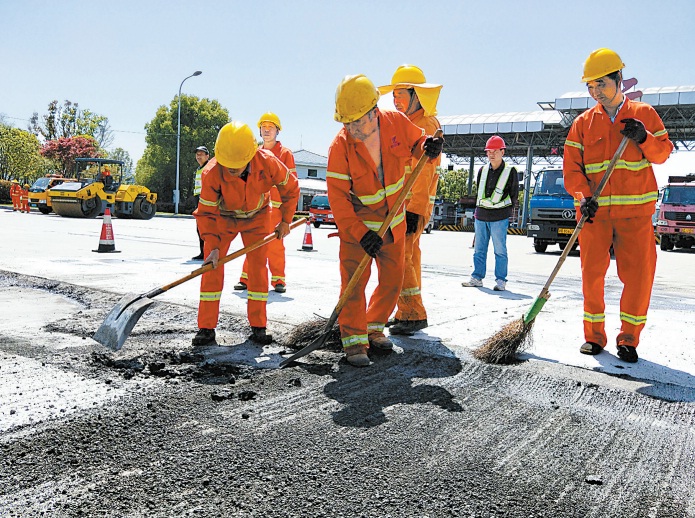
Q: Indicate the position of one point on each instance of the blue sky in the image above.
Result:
(124, 59)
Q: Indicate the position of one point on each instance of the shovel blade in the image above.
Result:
(120, 321)
(316, 344)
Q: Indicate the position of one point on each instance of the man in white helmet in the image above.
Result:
(235, 199)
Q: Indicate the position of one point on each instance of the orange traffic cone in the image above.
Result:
(106, 241)
(308, 244)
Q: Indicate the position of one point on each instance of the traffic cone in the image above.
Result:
(308, 244)
(106, 241)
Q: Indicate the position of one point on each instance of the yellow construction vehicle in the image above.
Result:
(99, 186)
(37, 192)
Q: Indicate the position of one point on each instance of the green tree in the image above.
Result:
(201, 120)
(19, 155)
(128, 170)
(453, 185)
(68, 120)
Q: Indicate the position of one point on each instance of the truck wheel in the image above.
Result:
(91, 207)
(44, 210)
(539, 246)
(143, 209)
(317, 224)
(428, 229)
(666, 244)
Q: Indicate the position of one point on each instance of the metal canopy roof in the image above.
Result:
(545, 131)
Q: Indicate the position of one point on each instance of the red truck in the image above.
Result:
(675, 223)
(320, 211)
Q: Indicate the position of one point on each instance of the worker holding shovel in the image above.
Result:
(622, 215)
(366, 173)
(235, 199)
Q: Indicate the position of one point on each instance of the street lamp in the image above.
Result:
(178, 145)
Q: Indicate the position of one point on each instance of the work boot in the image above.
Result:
(627, 353)
(473, 283)
(259, 336)
(407, 327)
(500, 285)
(204, 337)
(198, 257)
(380, 342)
(392, 322)
(280, 288)
(240, 286)
(591, 348)
(356, 355)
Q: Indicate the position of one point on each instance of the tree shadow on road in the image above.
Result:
(398, 378)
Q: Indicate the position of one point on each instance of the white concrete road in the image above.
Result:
(156, 252)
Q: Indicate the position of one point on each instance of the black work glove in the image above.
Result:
(634, 129)
(588, 208)
(433, 146)
(412, 221)
(371, 242)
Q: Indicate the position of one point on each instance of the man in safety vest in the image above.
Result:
(24, 199)
(366, 173)
(235, 199)
(202, 155)
(622, 216)
(15, 193)
(269, 126)
(498, 192)
(417, 99)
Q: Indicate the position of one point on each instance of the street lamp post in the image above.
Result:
(178, 144)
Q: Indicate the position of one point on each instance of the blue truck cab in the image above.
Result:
(551, 211)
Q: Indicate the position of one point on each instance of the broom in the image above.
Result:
(502, 347)
(322, 329)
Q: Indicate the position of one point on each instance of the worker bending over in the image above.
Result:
(622, 218)
(235, 199)
(269, 126)
(417, 99)
(366, 172)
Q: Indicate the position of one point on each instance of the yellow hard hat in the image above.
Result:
(354, 97)
(235, 145)
(270, 117)
(15, 181)
(410, 76)
(26, 185)
(600, 63)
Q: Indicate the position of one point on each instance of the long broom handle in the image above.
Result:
(382, 231)
(225, 259)
(580, 225)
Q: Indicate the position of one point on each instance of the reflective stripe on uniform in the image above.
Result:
(625, 199)
(495, 201)
(287, 178)
(337, 176)
(277, 278)
(594, 317)
(574, 144)
(258, 295)
(207, 203)
(600, 167)
(633, 319)
(410, 292)
(210, 296)
(377, 327)
(351, 340)
(275, 204)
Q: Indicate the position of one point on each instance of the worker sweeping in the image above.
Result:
(417, 99)
(366, 171)
(622, 216)
(269, 127)
(15, 193)
(235, 199)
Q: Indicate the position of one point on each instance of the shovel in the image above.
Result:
(321, 340)
(123, 317)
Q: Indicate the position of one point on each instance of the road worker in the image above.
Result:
(366, 173)
(269, 127)
(15, 192)
(622, 216)
(235, 199)
(24, 199)
(202, 156)
(417, 99)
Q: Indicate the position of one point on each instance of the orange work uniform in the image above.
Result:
(420, 201)
(624, 216)
(230, 205)
(275, 249)
(15, 192)
(24, 199)
(361, 202)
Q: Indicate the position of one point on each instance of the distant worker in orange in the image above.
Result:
(366, 172)
(235, 199)
(622, 218)
(24, 199)
(15, 193)
(269, 126)
(417, 99)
